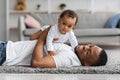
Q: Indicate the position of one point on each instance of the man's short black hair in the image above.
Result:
(102, 59)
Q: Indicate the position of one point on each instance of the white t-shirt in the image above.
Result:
(20, 53)
(54, 36)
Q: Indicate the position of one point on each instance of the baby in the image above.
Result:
(62, 32)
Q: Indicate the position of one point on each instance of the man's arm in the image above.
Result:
(37, 34)
(37, 58)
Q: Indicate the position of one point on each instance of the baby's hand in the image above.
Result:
(51, 53)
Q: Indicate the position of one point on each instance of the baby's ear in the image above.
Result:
(58, 19)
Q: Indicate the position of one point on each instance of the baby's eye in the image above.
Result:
(64, 24)
(69, 26)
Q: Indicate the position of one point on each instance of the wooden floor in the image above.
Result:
(59, 77)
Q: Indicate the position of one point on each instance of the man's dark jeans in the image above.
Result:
(2, 52)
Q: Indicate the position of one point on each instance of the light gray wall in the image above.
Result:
(73, 4)
(107, 5)
(2, 20)
(99, 5)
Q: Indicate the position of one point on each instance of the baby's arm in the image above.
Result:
(49, 42)
(73, 40)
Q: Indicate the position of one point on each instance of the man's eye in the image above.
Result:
(88, 52)
(83, 48)
(91, 45)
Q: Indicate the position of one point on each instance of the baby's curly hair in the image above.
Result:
(69, 13)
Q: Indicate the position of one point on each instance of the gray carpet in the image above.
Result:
(110, 69)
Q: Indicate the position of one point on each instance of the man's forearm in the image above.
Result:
(37, 58)
(38, 50)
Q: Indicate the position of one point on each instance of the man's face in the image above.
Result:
(66, 24)
(88, 54)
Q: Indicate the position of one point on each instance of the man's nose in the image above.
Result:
(86, 47)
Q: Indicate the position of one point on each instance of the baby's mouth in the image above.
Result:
(63, 32)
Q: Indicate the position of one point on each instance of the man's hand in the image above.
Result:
(51, 53)
(35, 35)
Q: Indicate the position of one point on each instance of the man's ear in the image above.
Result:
(86, 64)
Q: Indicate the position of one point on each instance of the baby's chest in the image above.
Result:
(60, 38)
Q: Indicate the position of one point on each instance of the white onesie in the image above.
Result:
(54, 36)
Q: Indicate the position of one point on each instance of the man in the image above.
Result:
(31, 53)
(87, 55)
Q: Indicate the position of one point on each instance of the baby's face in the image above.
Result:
(66, 24)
